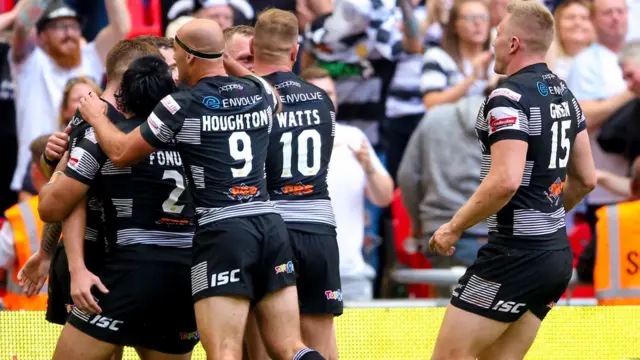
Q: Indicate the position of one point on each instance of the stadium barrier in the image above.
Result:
(569, 333)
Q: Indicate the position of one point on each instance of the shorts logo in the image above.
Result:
(225, 277)
(333, 295)
(543, 89)
(284, 268)
(211, 102)
(508, 306)
(106, 323)
(189, 335)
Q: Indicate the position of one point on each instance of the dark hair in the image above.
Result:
(146, 81)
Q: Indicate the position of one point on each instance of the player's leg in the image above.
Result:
(225, 254)
(74, 344)
(59, 293)
(514, 343)
(168, 317)
(253, 340)
(277, 308)
(319, 289)
(463, 335)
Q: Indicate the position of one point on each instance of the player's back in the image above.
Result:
(535, 106)
(300, 149)
(221, 127)
(148, 203)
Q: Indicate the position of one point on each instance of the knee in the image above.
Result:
(452, 355)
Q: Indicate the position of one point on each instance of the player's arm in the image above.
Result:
(124, 149)
(74, 175)
(581, 172)
(509, 145)
(619, 185)
(119, 26)
(28, 12)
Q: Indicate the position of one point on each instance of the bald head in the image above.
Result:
(202, 35)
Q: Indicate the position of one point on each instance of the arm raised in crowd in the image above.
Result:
(119, 26)
(28, 12)
(412, 39)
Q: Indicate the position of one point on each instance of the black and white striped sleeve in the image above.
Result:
(269, 94)
(434, 75)
(86, 159)
(506, 116)
(165, 121)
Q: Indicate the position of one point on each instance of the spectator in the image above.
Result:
(461, 65)
(75, 89)
(437, 18)
(597, 82)
(20, 237)
(42, 66)
(438, 175)
(176, 24)
(8, 139)
(634, 24)
(226, 12)
(498, 10)
(354, 172)
(574, 33)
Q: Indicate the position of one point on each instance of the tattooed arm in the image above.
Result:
(35, 271)
(50, 237)
(412, 39)
(28, 12)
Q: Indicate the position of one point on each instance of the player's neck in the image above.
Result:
(264, 68)
(520, 63)
(109, 94)
(206, 74)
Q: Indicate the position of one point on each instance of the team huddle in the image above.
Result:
(203, 206)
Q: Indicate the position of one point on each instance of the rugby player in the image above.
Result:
(300, 148)
(241, 255)
(537, 164)
(149, 216)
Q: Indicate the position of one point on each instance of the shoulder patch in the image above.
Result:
(508, 93)
(75, 157)
(503, 118)
(170, 104)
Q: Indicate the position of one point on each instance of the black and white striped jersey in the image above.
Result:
(300, 148)
(145, 204)
(535, 106)
(221, 128)
(94, 231)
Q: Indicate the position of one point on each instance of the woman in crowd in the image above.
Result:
(354, 172)
(75, 89)
(460, 66)
(574, 32)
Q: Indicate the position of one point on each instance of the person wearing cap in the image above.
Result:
(43, 61)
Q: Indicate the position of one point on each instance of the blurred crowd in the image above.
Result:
(407, 78)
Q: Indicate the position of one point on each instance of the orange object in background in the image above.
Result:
(401, 232)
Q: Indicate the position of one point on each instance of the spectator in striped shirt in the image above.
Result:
(461, 65)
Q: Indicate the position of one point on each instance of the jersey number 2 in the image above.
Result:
(303, 151)
(564, 142)
(169, 205)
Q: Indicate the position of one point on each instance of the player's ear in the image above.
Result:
(251, 50)
(514, 45)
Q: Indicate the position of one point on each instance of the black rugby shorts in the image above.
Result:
(503, 283)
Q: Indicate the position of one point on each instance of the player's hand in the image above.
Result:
(62, 164)
(81, 284)
(92, 107)
(363, 156)
(34, 273)
(443, 240)
(481, 64)
(57, 145)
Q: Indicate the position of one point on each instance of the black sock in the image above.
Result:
(308, 354)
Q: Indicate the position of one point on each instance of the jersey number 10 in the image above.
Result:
(564, 142)
(303, 150)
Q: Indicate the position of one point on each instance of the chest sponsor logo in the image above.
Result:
(211, 102)
(543, 89)
(287, 83)
(230, 87)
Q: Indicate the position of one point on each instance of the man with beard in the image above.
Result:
(44, 61)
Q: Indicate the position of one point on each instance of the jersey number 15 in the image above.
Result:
(303, 150)
(555, 161)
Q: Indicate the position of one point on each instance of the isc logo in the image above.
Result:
(509, 306)
(106, 323)
(225, 277)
